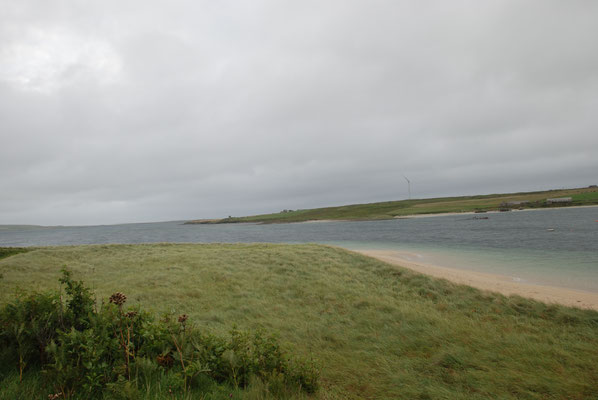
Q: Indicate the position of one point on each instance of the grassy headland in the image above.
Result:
(394, 209)
(378, 331)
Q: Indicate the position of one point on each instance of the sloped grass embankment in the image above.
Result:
(377, 331)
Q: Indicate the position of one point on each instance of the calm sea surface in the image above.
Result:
(554, 246)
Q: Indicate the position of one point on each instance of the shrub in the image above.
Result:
(118, 352)
(29, 324)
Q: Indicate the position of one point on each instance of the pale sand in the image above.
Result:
(409, 216)
(495, 283)
(315, 221)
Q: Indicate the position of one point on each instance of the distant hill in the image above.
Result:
(404, 208)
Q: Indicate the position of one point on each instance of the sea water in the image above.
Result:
(557, 247)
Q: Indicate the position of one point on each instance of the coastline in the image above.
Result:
(491, 282)
(488, 212)
(407, 216)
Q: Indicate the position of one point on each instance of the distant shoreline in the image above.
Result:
(492, 282)
(406, 216)
(412, 208)
(490, 212)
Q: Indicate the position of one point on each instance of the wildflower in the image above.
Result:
(131, 314)
(165, 360)
(183, 318)
(118, 298)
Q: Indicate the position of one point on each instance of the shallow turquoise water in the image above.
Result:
(553, 246)
(543, 267)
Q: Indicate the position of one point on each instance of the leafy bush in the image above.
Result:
(28, 325)
(118, 353)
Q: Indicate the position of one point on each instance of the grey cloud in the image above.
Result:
(140, 111)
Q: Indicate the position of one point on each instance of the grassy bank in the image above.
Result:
(393, 209)
(378, 332)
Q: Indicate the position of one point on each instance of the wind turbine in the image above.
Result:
(408, 186)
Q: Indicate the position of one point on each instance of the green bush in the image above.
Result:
(29, 324)
(115, 352)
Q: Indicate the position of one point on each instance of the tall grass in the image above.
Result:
(378, 331)
(10, 251)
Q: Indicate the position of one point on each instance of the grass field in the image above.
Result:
(393, 209)
(378, 332)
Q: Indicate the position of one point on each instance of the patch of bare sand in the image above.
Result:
(495, 283)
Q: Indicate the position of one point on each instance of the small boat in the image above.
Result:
(550, 229)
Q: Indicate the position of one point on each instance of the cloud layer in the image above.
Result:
(142, 111)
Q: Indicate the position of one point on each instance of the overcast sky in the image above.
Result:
(125, 111)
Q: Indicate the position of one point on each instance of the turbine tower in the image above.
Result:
(408, 186)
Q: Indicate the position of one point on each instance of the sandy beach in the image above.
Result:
(495, 283)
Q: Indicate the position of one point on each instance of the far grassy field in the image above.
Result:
(378, 332)
(394, 209)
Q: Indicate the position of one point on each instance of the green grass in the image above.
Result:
(9, 251)
(32, 387)
(394, 209)
(588, 196)
(379, 332)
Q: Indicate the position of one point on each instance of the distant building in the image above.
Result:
(559, 200)
(593, 186)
